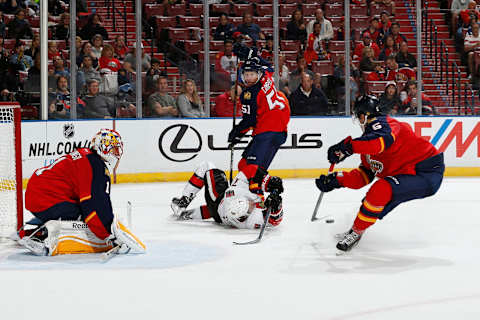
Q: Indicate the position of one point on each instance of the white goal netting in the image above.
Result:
(8, 179)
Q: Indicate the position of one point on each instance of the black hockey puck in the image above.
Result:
(329, 221)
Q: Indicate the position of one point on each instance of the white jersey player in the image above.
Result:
(240, 205)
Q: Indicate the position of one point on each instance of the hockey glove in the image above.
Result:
(340, 151)
(274, 202)
(243, 52)
(234, 137)
(274, 184)
(327, 183)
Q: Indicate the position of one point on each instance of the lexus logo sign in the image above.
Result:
(180, 143)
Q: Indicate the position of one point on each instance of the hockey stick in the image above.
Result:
(320, 197)
(233, 124)
(110, 253)
(262, 230)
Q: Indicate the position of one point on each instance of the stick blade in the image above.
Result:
(246, 243)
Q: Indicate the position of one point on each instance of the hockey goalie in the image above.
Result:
(240, 205)
(70, 200)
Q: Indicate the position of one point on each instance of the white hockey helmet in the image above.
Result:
(109, 146)
(237, 210)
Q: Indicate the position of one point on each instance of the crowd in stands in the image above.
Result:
(311, 69)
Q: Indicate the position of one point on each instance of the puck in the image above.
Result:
(329, 221)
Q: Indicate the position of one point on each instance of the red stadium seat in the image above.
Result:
(214, 21)
(376, 86)
(193, 46)
(336, 46)
(290, 55)
(187, 21)
(291, 64)
(154, 10)
(283, 21)
(216, 45)
(240, 9)
(221, 8)
(196, 10)
(309, 9)
(358, 10)
(359, 23)
(9, 44)
(264, 10)
(213, 56)
(176, 10)
(176, 34)
(322, 67)
(334, 9)
(263, 22)
(287, 9)
(236, 20)
(290, 45)
(7, 18)
(165, 22)
(336, 21)
(336, 55)
(376, 9)
(34, 21)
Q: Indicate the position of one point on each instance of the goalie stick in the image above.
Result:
(320, 197)
(262, 230)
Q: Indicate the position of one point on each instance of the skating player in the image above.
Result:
(239, 205)
(265, 110)
(408, 167)
(71, 198)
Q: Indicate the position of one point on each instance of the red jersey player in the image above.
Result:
(264, 110)
(407, 167)
(77, 186)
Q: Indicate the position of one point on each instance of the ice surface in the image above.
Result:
(421, 262)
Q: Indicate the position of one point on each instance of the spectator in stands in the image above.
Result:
(19, 58)
(97, 105)
(19, 27)
(224, 105)
(326, 29)
(52, 50)
(456, 7)
(340, 34)
(62, 29)
(226, 61)
(3, 27)
(315, 49)
(295, 77)
(59, 67)
(87, 51)
(88, 71)
(283, 75)
(266, 51)
(120, 47)
(398, 38)
(404, 58)
(9, 6)
(108, 61)
(249, 29)
(296, 29)
(389, 49)
(189, 102)
(55, 7)
(376, 34)
(472, 42)
(339, 76)
(467, 14)
(93, 27)
(224, 30)
(160, 103)
(59, 101)
(389, 4)
(152, 76)
(409, 103)
(367, 64)
(390, 100)
(385, 23)
(97, 46)
(32, 84)
(35, 47)
(308, 100)
(366, 43)
(130, 63)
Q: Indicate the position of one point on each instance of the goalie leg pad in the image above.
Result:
(124, 237)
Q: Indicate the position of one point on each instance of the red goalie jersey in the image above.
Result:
(80, 178)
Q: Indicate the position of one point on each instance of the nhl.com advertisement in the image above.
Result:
(178, 145)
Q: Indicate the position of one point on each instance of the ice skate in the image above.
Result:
(350, 239)
(179, 205)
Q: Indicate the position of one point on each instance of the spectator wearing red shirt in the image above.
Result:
(409, 102)
(52, 50)
(107, 60)
(267, 51)
(224, 105)
(376, 34)
(366, 42)
(120, 47)
(466, 14)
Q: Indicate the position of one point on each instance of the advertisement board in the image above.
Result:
(175, 146)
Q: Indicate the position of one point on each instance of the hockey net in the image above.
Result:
(11, 194)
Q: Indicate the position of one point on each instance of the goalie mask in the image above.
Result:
(237, 210)
(109, 146)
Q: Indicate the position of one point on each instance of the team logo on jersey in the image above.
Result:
(247, 95)
(68, 130)
(375, 165)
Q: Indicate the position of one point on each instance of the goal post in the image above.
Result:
(11, 191)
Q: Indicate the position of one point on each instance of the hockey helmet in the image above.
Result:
(367, 105)
(237, 210)
(108, 145)
(251, 65)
